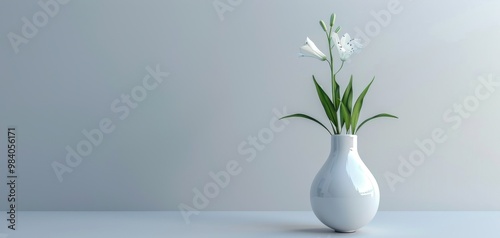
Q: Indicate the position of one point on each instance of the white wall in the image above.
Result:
(226, 78)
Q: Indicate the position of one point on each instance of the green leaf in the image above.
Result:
(351, 94)
(307, 117)
(346, 115)
(376, 116)
(347, 101)
(327, 104)
(357, 108)
(336, 102)
(337, 94)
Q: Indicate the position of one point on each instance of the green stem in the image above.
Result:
(342, 65)
(330, 63)
(332, 75)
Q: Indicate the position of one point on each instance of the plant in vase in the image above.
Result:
(344, 194)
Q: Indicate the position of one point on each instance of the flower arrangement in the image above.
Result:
(341, 113)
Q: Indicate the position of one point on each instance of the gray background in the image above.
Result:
(226, 77)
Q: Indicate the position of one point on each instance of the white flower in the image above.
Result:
(309, 49)
(346, 46)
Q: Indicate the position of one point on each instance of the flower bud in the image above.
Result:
(323, 25)
(332, 19)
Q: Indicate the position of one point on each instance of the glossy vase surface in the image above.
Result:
(344, 194)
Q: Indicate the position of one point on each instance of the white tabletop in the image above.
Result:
(246, 224)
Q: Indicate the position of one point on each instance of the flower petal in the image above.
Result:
(313, 46)
(310, 49)
(346, 46)
(345, 39)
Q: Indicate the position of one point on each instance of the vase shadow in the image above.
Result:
(324, 232)
(318, 230)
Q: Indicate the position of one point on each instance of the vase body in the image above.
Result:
(344, 194)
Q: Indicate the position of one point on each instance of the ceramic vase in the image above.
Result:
(344, 194)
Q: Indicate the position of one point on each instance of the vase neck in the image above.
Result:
(341, 143)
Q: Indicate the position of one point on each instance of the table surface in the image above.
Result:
(245, 224)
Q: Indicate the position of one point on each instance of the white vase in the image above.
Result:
(344, 194)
